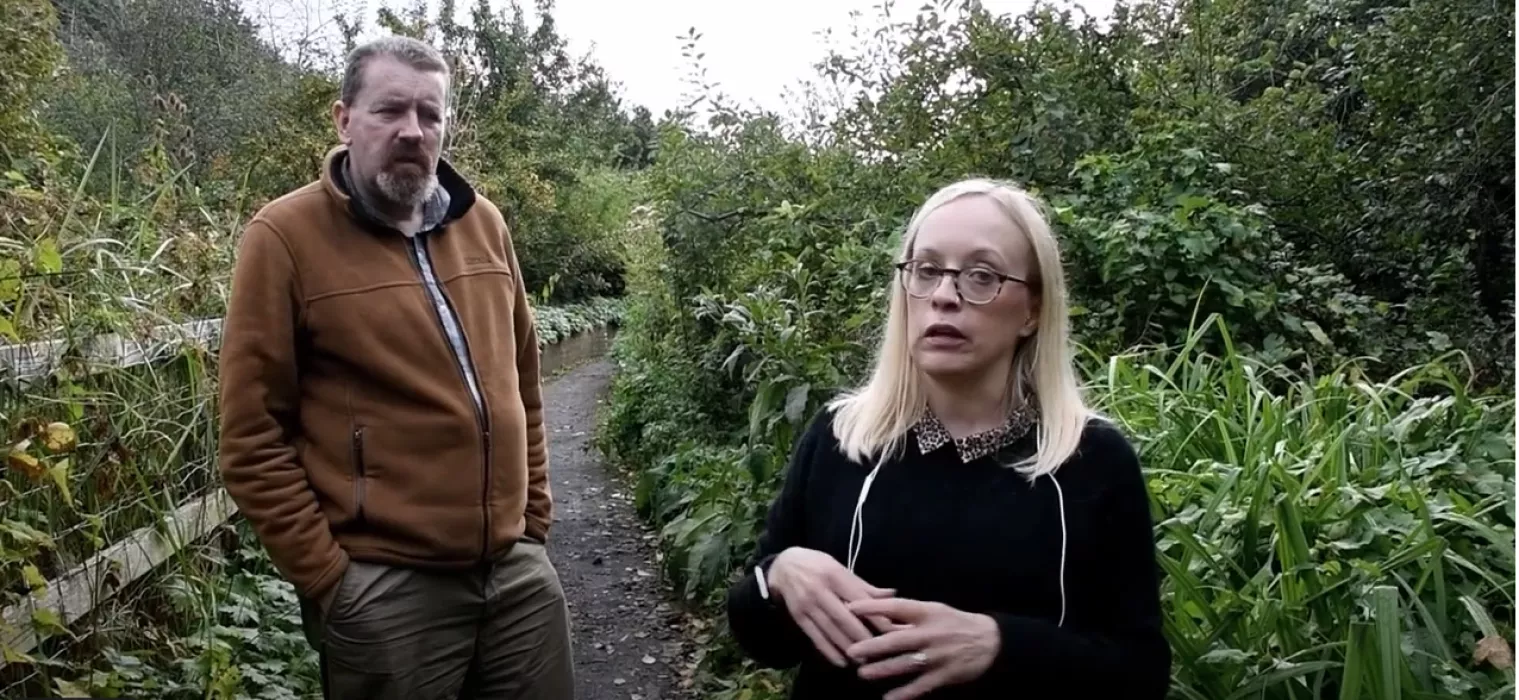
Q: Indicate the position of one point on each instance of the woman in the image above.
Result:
(962, 526)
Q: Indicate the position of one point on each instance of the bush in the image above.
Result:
(1320, 534)
(1332, 465)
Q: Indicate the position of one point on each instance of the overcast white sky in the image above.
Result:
(754, 50)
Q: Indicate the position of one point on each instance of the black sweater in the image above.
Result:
(981, 538)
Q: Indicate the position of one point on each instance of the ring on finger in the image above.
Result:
(919, 659)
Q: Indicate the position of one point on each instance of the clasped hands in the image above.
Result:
(944, 646)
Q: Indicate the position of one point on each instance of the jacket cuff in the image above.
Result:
(331, 576)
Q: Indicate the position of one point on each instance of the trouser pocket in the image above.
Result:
(395, 632)
(525, 647)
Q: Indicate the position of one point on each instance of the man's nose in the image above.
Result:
(411, 127)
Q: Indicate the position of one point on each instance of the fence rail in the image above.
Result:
(104, 352)
(74, 594)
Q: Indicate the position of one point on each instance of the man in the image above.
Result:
(382, 423)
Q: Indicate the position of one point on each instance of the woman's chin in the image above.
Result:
(943, 364)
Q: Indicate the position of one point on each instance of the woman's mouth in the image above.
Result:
(944, 335)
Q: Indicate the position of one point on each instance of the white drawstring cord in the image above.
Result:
(857, 531)
(857, 524)
(1060, 498)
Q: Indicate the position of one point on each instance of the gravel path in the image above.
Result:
(627, 636)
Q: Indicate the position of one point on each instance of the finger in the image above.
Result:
(898, 609)
(821, 641)
(884, 624)
(902, 641)
(921, 685)
(828, 625)
(892, 666)
(852, 588)
(847, 623)
(859, 590)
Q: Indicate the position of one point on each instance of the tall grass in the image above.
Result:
(1326, 537)
(1323, 537)
(215, 620)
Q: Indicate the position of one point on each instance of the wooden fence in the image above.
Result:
(75, 593)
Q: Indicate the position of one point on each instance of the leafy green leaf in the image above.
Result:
(47, 258)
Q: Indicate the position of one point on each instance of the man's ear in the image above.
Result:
(340, 121)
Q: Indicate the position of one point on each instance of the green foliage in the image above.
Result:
(555, 323)
(575, 255)
(236, 634)
(223, 125)
(543, 135)
(1290, 506)
(180, 147)
(92, 456)
(1334, 488)
(29, 56)
(1158, 235)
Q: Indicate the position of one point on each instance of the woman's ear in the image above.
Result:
(1031, 324)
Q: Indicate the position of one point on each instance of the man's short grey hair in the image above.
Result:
(414, 53)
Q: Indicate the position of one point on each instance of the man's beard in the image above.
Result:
(405, 190)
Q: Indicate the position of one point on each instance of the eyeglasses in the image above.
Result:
(976, 285)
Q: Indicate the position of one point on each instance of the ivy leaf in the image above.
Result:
(47, 621)
(48, 259)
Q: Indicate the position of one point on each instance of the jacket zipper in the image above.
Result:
(358, 473)
(453, 334)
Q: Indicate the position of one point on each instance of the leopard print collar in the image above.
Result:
(932, 434)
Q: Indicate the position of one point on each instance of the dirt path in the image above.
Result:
(628, 644)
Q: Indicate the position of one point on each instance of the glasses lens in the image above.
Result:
(921, 278)
(978, 284)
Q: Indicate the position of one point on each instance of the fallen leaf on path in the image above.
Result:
(1496, 651)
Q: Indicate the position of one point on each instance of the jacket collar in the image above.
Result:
(455, 198)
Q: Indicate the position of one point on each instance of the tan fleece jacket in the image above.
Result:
(353, 423)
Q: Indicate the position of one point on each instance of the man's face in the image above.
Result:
(394, 130)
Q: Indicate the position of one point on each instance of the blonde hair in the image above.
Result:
(872, 420)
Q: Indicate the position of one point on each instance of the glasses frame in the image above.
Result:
(954, 274)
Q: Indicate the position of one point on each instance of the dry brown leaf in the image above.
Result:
(20, 461)
(1496, 651)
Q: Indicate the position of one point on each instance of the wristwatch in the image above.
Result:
(761, 576)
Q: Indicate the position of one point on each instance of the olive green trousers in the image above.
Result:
(496, 632)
